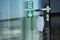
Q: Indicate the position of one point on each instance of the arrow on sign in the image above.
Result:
(30, 15)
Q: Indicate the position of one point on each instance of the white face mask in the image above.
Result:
(40, 23)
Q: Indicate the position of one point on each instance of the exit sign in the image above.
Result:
(29, 13)
(29, 4)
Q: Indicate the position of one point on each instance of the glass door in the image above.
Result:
(55, 19)
(14, 25)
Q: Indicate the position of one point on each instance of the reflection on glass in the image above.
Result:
(12, 25)
(40, 26)
(10, 31)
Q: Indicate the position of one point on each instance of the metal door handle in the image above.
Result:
(44, 9)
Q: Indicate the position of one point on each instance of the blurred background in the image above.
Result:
(14, 25)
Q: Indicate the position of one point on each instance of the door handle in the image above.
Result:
(44, 9)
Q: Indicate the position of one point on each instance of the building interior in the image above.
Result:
(15, 23)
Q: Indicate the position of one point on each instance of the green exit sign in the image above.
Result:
(29, 4)
(29, 13)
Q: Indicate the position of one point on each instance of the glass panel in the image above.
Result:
(10, 32)
(15, 26)
(55, 26)
(55, 6)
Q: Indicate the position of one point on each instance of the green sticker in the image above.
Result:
(29, 5)
(29, 14)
